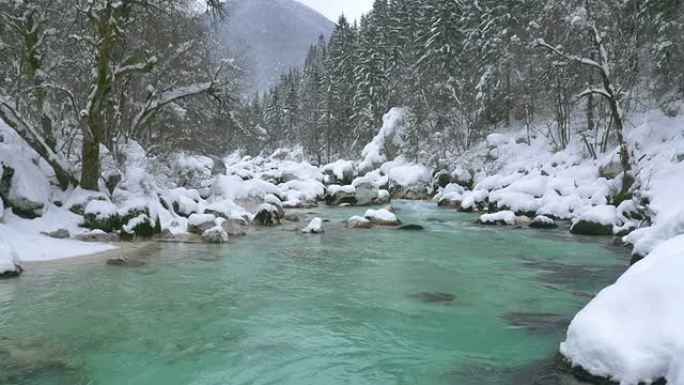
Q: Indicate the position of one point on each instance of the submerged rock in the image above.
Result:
(434, 297)
(29, 361)
(124, 261)
(538, 322)
(411, 228)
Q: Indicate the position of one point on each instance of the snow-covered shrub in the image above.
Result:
(102, 215)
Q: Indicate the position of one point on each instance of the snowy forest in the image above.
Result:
(442, 192)
(466, 68)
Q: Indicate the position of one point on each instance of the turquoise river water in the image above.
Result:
(454, 304)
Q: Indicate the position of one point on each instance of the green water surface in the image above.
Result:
(280, 307)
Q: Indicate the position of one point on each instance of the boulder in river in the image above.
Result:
(382, 217)
(215, 235)
(315, 227)
(501, 218)
(357, 222)
(543, 222)
(267, 215)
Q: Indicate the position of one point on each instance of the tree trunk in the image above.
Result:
(90, 164)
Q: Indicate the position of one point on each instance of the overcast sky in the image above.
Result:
(333, 8)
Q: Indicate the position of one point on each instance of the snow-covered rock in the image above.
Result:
(199, 223)
(451, 196)
(543, 222)
(498, 218)
(337, 195)
(267, 215)
(357, 222)
(597, 220)
(382, 217)
(340, 172)
(366, 194)
(8, 268)
(314, 227)
(631, 332)
(216, 235)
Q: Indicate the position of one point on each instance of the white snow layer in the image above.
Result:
(633, 331)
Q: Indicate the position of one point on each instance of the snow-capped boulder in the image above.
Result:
(8, 269)
(543, 222)
(337, 195)
(366, 194)
(451, 196)
(357, 222)
(226, 208)
(314, 227)
(24, 187)
(340, 172)
(631, 332)
(215, 235)
(79, 199)
(267, 215)
(199, 223)
(597, 220)
(501, 218)
(382, 217)
(383, 197)
(463, 178)
(410, 181)
(102, 215)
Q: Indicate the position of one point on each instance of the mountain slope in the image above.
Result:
(273, 35)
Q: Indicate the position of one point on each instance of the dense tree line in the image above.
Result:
(463, 68)
(80, 76)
